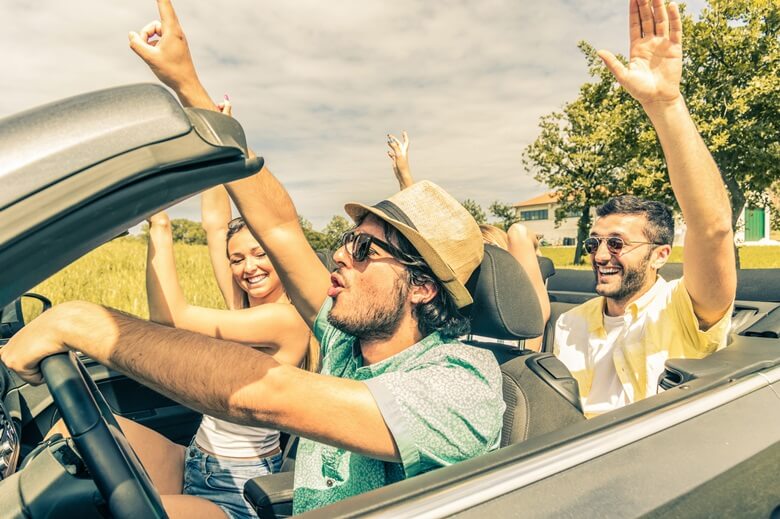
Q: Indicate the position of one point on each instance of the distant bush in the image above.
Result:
(184, 231)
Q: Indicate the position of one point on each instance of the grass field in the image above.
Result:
(113, 275)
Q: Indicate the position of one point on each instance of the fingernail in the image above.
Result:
(227, 97)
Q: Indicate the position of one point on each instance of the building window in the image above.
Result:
(540, 214)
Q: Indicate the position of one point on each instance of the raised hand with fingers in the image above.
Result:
(163, 46)
(655, 68)
(225, 106)
(399, 154)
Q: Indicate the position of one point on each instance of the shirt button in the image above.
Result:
(329, 482)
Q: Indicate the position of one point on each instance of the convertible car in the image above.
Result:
(78, 172)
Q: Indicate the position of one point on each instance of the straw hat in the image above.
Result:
(441, 230)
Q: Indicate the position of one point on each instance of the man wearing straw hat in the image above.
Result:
(398, 395)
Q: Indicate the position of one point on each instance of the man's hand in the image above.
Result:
(399, 154)
(653, 78)
(163, 46)
(37, 340)
(655, 68)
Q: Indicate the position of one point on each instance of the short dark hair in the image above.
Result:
(660, 221)
(440, 314)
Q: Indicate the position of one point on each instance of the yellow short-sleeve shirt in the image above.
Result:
(659, 325)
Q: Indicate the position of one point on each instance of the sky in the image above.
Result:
(318, 85)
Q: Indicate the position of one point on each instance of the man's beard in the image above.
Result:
(631, 282)
(376, 319)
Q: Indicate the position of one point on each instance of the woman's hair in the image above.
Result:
(234, 226)
(311, 361)
(494, 236)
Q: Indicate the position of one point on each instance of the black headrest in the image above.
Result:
(546, 266)
(505, 303)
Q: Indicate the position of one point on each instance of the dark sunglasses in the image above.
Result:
(358, 244)
(614, 244)
(236, 223)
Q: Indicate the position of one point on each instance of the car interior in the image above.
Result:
(139, 152)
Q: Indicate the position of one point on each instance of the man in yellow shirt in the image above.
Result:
(616, 345)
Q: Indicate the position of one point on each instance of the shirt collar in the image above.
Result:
(640, 304)
(595, 315)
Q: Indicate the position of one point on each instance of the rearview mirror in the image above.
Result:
(20, 311)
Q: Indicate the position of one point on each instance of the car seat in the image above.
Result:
(540, 394)
(546, 267)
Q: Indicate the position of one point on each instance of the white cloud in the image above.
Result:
(317, 85)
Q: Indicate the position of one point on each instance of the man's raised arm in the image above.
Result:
(270, 215)
(653, 78)
(262, 200)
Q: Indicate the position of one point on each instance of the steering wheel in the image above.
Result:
(116, 470)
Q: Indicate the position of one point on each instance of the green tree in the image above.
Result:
(505, 213)
(187, 231)
(731, 82)
(475, 210)
(316, 239)
(602, 145)
(183, 231)
(337, 226)
(774, 201)
(598, 146)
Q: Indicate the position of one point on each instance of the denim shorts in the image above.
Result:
(221, 480)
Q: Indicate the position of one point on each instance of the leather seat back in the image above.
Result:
(541, 396)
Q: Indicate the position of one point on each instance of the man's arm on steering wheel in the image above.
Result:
(246, 386)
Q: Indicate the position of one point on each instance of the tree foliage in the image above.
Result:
(602, 145)
(475, 210)
(598, 146)
(183, 231)
(336, 227)
(505, 213)
(316, 239)
(731, 81)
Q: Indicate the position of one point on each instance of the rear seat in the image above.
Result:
(556, 310)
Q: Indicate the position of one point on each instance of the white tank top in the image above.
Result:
(238, 441)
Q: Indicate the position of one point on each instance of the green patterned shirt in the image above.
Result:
(441, 401)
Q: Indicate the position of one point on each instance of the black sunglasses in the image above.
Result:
(614, 244)
(236, 223)
(358, 244)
